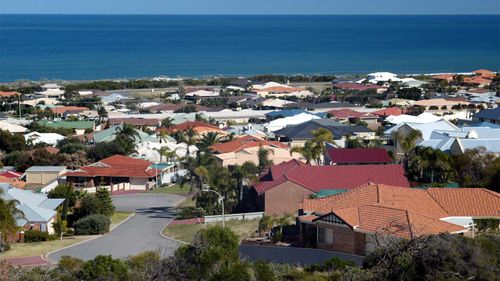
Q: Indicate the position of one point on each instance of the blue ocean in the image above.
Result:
(83, 47)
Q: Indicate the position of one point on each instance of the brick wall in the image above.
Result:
(345, 240)
(284, 198)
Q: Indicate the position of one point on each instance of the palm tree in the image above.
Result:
(189, 135)
(315, 149)
(9, 214)
(128, 131)
(167, 123)
(263, 155)
(209, 139)
(406, 143)
(247, 171)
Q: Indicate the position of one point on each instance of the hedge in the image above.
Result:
(37, 236)
(92, 224)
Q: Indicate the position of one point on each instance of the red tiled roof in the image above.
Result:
(395, 111)
(243, 143)
(359, 155)
(279, 89)
(174, 106)
(8, 94)
(10, 174)
(198, 126)
(467, 201)
(316, 178)
(117, 166)
(357, 87)
(406, 212)
(134, 121)
(476, 80)
(63, 109)
(447, 77)
(484, 73)
(349, 113)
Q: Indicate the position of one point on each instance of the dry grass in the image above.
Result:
(40, 248)
(186, 233)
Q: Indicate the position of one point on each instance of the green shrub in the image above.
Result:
(103, 268)
(92, 224)
(191, 212)
(89, 205)
(37, 236)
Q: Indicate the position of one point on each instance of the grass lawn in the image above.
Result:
(173, 189)
(186, 233)
(39, 248)
(188, 202)
(119, 217)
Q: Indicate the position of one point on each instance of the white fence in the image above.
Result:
(242, 216)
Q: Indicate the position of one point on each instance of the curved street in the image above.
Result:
(139, 233)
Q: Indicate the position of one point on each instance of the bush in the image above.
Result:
(89, 205)
(103, 268)
(37, 236)
(191, 212)
(92, 224)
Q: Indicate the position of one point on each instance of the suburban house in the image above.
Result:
(115, 173)
(488, 115)
(243, 149)
(297, 135)
(286, 185)
(458, 141)
(360, 220)
(42, 175)
(48, 138)
(352, 116)
(13, 128)
(78, 127)
(39, 211)
(151, 124)
(348, 86)
(442, 105)
(281, 123)
(200, 128)
(383, 113)
(273, 88)
(110, 133)
(62, 111)
(357, 156)
(51, 90)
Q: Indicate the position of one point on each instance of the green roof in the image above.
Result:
(68, 124)
(329, 192)
(110, 135)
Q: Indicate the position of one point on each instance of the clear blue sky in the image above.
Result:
(250, 6)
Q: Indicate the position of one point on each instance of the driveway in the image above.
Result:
(138, 234)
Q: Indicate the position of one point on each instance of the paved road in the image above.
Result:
(138, 234)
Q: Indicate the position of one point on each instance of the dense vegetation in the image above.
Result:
(214, 255)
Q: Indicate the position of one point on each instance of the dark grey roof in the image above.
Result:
(303, 131)
(490, 114)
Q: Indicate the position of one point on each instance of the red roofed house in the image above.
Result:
(8, 94)
(445, 76)
(357, 156)
(359, 87)
(488, 74)
(360, 220)
(352, 116)
(201, 128)
(394, 111)
(241, 150)
(286, 185)
(115, 173)
(477, 80)
(61, 110)
(151, 124)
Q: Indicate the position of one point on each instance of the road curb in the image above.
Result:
(170, 238)
(45, 256)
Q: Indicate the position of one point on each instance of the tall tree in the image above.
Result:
(247, 171)
(209, 139)
(406, 142)
(263, 156)
(8, 216)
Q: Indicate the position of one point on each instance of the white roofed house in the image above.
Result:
(39, 211)
(48, 138)
(51, 90)
(292, 120)
(12, 128)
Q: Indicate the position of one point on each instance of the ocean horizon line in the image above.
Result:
(195, 14)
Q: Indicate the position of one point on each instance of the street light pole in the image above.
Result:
(221, 199)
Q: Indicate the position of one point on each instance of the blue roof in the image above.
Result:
(490, 114)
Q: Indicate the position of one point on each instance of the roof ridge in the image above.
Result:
(410, 230)
(437, 202)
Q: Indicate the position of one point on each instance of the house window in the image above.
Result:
(325, 235)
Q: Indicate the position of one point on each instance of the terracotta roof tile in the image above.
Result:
(63, 109)
(467, 201)
(243, 143)
(117, 165)
(8, 94)
(349, 113)
(395, 111)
